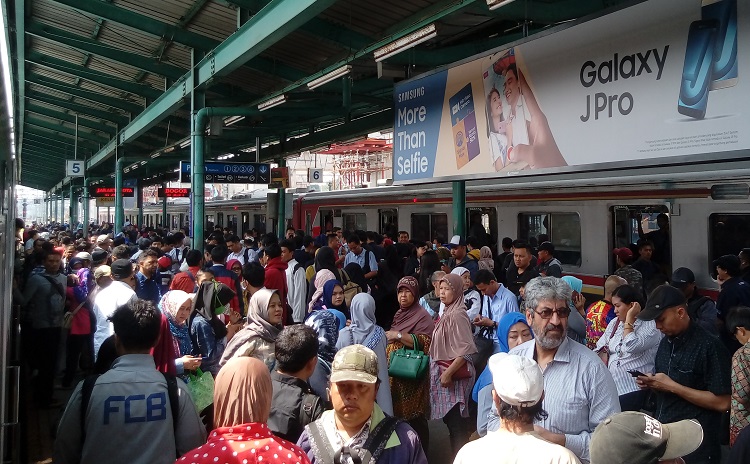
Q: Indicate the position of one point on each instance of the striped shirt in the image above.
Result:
(579, 393)
(636, 352)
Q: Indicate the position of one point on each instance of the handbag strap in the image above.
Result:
(416, 342)
(75, 311)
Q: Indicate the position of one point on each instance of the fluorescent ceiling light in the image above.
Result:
(495, 4)
(333, 75)
(404, 43)
(185, 143)
(271, 102)
(234, 119)
(156, 155)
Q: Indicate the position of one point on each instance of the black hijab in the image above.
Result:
(210, 296)
(325, 258)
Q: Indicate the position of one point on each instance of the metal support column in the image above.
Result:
(119, 211)
(281, 229)
(197, 156)
(86, 181)
(139, 201)
(73, 206)
(164, 210)
(62, 206)
(459, 208)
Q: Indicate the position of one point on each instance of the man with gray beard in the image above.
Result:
(579, 390)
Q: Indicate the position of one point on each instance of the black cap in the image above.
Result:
(99, 256)
(681, 277)
(730, 263)
(546, 246)
(661, 299)
(121, 269)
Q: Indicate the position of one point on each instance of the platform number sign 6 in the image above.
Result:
(315, 175)
(74, 168)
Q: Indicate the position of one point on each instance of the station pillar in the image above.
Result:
(73, 208)
(164, 209)
(119, 211)
(139, 203)
(62, 206)
(459, 208)
(86, 182)
(281, 221)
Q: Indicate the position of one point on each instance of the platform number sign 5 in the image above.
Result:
(314, 176)
(74, 168)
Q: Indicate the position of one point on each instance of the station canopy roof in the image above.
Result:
(125, 70)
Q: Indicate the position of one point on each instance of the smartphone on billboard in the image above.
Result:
(725, 67)
(464, 121)
(697, 70)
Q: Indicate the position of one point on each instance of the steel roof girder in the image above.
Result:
(256, 35)
(88, 45)
(98, 77)
(45, 136)
(65, 130)
(78, 108)
(81, 93)
(70, 118)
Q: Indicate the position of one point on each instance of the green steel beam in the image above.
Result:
(20, 26)
(70, 118)
(99, 77)
(95, 97)
(87, 45)
(55, 138)
(259, 33)
(33, 144)
(78, 108)
(65, 130)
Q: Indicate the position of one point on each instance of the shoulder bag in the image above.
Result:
(409, 364)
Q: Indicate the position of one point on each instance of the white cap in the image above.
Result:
(102, 238)
(84, 255)
(518, 381)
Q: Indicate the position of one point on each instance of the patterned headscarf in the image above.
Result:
(326, 325)
(485, 259)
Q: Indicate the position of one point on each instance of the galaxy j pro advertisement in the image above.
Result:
(658, 80)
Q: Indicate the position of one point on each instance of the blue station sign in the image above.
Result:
(230, 173)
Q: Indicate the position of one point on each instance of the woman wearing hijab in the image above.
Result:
(576, 320)
(242, 404)
(325, 259)
(207, 332)
(411, 398)
(177, 304)
(321, 277)
(258, 338)
(472, 298)
(512, 330)
(334, 300)
(364, 331)
(326, 325)
(451, 370)
(486, 261)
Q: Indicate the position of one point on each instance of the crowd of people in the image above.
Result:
(340, 348)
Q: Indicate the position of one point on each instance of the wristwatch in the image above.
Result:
(398, 335)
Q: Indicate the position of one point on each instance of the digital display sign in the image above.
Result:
(107, 192)
(176, 192)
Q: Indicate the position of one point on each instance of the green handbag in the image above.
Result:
(409, 364)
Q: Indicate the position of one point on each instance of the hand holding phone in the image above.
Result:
(636, 373)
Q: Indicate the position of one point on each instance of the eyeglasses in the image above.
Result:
(562, 313)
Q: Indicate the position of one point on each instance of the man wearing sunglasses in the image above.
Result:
(579, 390)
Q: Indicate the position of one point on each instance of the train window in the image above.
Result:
(259, 223)
(728, 235)
(245, 222)
(220, 219)
(482, 223)
(355, 221)
(232, 222)
(388, 220)
(630, 223)
(210, 223)
(562, 229)
(427, 227)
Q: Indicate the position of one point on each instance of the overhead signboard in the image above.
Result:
(105, 202)
(662, 81)
(279, 178)
(104, 192)
(74, 168)
(173, 192)
(230, 173)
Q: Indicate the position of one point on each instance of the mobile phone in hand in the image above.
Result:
(636, 373)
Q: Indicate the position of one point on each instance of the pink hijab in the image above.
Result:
(453, 337)
(323, 276)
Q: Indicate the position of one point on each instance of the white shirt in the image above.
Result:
(636, 352)
(504, 447)
(105, 303)
(296, 284)
(252, 255)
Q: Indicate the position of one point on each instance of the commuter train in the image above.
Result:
(585, 215)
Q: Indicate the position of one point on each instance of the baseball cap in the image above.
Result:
(546, 246)
(632, 436)
(456, 240)
(661, 299)
(121, 268)
(729, 262)
(84, 255)
(355, 363)
(102, 238)
(518, 381)
(102, 271)
(99, 256)
(164, 262)
(682, 276)
(623, 253)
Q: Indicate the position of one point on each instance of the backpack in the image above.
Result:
(369, 453)
(172, 390)
(306, 408)
(351, 288)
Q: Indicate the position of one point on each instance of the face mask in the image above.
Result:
(434, 246)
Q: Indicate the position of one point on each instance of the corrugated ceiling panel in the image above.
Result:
(128, 39)
(167, 11)
(215, 21)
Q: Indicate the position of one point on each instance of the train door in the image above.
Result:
(259, 223)
(388, 221)
(329, 219)
(632, 223)
(429, 226)
(245, 223)
(220, 219)
(483, 221)
(210, 222)
(562, 229)
(232, 222)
